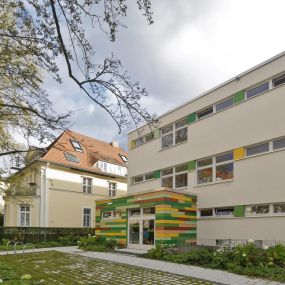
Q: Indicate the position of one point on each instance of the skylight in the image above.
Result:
(71, 157)
(76, 145)
(124, 158)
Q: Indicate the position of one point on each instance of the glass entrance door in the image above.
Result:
(141, 228)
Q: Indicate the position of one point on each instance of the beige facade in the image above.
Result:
(256, 183)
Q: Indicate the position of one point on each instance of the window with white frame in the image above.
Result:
(111, 215)
(76, 145)
(206, 112)
(215, 169)
(112, 186)
(206, 212)
(86, 217)
(278, 81)
(174, 134)
(253, 210)
(25, 215)
(279, 208)
(257, 90)
(224, 104)
(222, 212)
(257, 149)
(175, 177)
(279, 144)
(87, 185)
(142, 178)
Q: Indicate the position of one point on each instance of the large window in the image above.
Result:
(86, 217)
(257, 90)
(214, 169)
(87, 185)
(25, 215)
(174, 134)
(175, 177)
(112, 186)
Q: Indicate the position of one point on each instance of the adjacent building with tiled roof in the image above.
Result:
(58, 186)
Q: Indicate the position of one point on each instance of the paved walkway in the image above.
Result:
(185, 270)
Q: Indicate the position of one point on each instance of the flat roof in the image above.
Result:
(216, 87)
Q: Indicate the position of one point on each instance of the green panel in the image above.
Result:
(156, 174)
(156, 134)
(239, 211)
(192, 165)
(191, 118)
(239, 97)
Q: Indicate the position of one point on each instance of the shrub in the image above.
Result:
(97, 243)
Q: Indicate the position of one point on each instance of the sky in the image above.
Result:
(192, 46)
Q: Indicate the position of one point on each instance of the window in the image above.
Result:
(217, 168)
(206, 213)
(225, 104)
(175, 178)
(71, 157)
(148, 211)
(87, 185)
(76, 145)
(278, 81)
(257, 149)
(135, 212)
(25, 216)
(279, 208)
(138, 179)
(149, 176)
(86, 217)
(112, 189)
(205, 112)
(278, 144)
(225, 211)
(174, 134)
(149, 137)
(257, 90)
(117, 214)
(124, 158)
(107, 215)
(257, 210)
(139, 141)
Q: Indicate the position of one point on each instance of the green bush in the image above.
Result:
(245, 259)
(97, 243)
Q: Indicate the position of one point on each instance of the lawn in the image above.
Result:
(61, 268)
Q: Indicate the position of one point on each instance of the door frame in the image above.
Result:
(140, 219)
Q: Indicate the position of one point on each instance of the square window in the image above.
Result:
(181, 135)
(138, 179)
(181, 180)
(167, 182)
(225, 172)
(107, 215)
(205, 175)
(279, 208)
(167, 140)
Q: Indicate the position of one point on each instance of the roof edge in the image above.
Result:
(271, 59)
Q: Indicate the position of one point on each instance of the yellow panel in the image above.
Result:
(239, 153)
(167, 235)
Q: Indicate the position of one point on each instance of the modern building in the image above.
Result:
(58, 187)
(227, 146)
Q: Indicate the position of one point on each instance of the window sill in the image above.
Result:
(213, 183)
(162, 149)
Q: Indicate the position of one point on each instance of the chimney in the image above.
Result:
(114, 144)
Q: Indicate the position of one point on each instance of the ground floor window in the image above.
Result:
(25, 215)
(86, 217)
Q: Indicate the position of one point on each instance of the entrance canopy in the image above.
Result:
(143, 220)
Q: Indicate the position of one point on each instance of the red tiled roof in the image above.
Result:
(93, 150)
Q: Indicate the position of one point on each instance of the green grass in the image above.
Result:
(68, 269)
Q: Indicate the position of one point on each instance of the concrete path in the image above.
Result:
(185, 270)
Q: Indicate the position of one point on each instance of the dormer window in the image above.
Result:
(124, 158)
(76, 145)
(71, 157)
